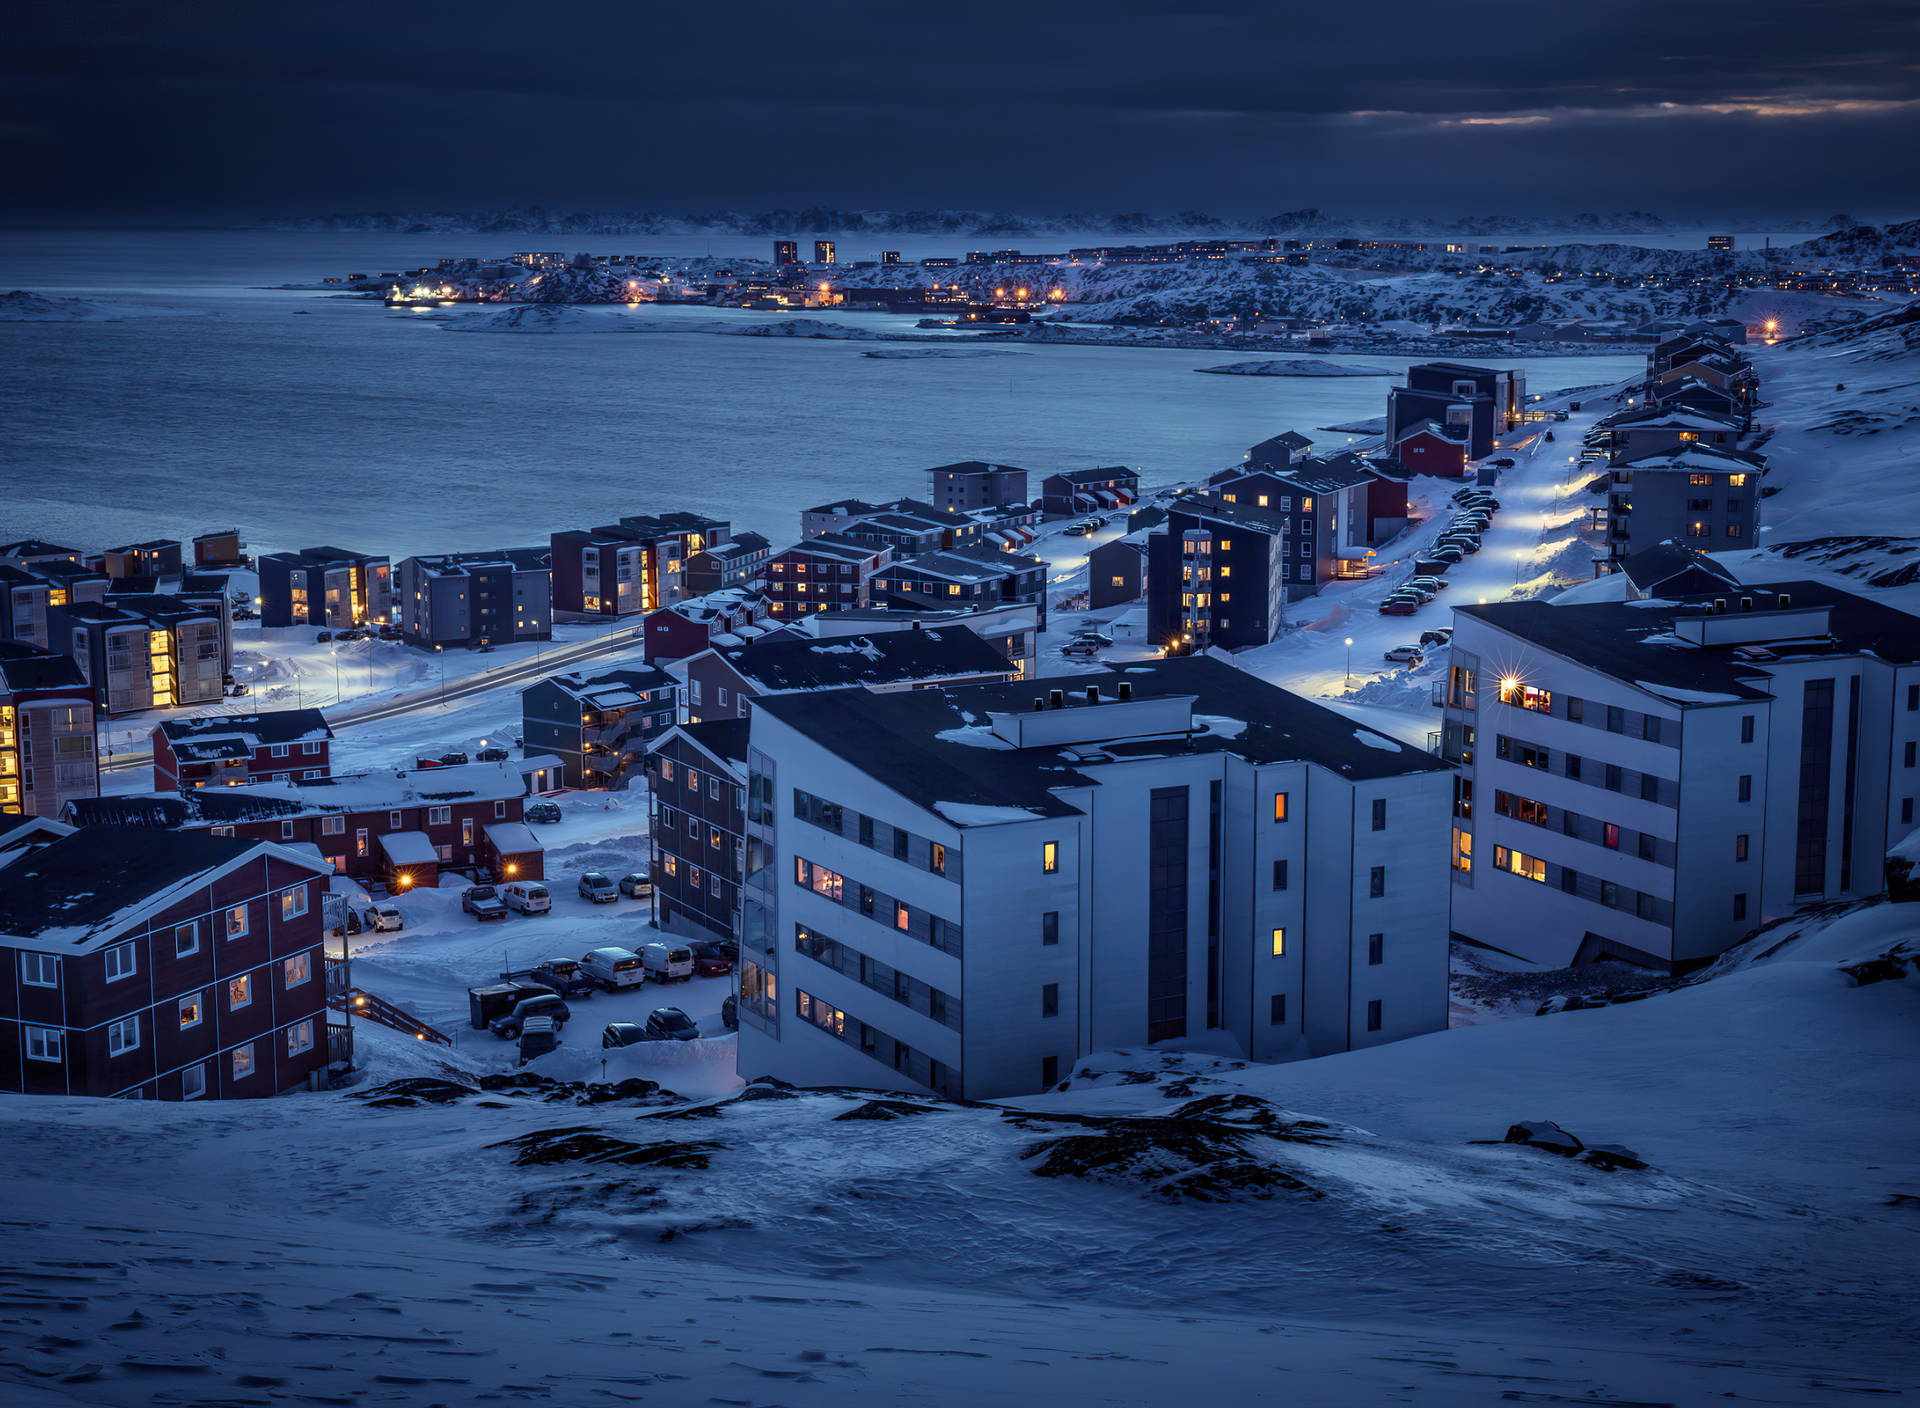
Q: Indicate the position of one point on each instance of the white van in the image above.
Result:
(668, 963)
(614, 968)
(526, 896)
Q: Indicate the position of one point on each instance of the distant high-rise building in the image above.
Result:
(889, 256)
(786, 252)
(1720, 244)
(823, 251)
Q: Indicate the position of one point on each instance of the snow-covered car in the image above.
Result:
(547, 1004)
(453, 760)
(614, 968)
(482, 902)
(382, 918)
(526, 897)
(636, 886)
(730, 1013)
(1429, 581)
(1439, 635)
(543, 813)
(1447, 554)
(598, 888)
(671, 1024)
(564, 976)
(668, 963)
(538, 1036)
(1405, 655)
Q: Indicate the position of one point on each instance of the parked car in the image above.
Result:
(1406, 655)
(1504, 462)
(492, 755)
(1076, 530)
(544, 813)
(1429, 581)
(1080, 649)
(323, 637)
(564, 976)
(527, 897)
(1558, 415)
(1099, 638)
(1448, 554)
(596, 887)
(546, 1004)
(1439, 635)
(538, 1036)
(1423, 595)
(383, 918)
(483, 902)
(668, 963)
(634, 885)
(730, 1013)
(614, 968)
(453, 759)
(1404, 606)
(671, 1024)
(618, 1034)
(709, 961)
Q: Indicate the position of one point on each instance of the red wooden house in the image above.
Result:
(223, 750)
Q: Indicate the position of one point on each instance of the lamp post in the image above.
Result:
(1349, 684)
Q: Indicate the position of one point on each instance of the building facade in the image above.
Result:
(325, 587)
(48, 755)
(823, 572)
(599, 725)
(1216, 575)
(975, 484)
(222, 750)
(697, 777)
(721, 681)
(629, 566)
(472, 599)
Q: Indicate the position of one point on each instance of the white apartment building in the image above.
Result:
(1652, 780)
(966, 889)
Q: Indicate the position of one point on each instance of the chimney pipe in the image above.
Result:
(1126, 689)
(1093, 694)
(1057, 698)
(1039, 705)
(1746, 603)
(1785, 601)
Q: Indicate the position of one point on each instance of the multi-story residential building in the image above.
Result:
(1688, 345)
(1216, 575)
(1670, 570)
(69, 582)
(903, 526)
(1691, 393)
(786, 252)
(23, 605)
(157, 557)
(208, 591)
(476, 598)
(1697, 496)
(975, 484)
(1117, 571)
(633, 565)
(230, 750)
(1328, 507)
(47, 754)
(1070, 491)
(160, 966)
(738, 562)
(1428, 447)
(400, 828)
(697, 774)
(823, 252)
(1478, 404)
(966, 890)
(1280, 451)
(325, 587)
(1660, 430)
(599, 725)
(823, 572)
(721, 681)
(968, 577)
(1650, 781)
(689, 627)
(144, 652)
(220, 548)
(38, 551)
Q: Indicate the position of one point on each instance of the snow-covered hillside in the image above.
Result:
(1349, 1230)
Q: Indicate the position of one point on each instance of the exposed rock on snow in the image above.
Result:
(910, 354)
(1295, 366)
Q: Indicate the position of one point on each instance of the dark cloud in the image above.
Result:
(1701, 105)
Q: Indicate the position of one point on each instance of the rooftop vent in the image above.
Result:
(1093, 694)
(1126, 689)
(1057, 698)
(1039, 705)
(1746, 603)
(1785, 601)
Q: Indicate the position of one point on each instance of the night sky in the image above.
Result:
(262, 107)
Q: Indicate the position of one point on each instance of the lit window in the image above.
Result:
(1279, 806)
(243, 1061)
(293, 902)
(300, 1037)
(190, 1011)
(237, 922)
(902, 916)
(1050, 857)
(1279, 943)
(298, 969)
(240, 992)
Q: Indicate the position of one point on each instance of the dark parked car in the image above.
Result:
(492, 755)
(710, 960)
(543, 812)
(549, 1004)
(618, 1034)
(538, 1036)
(452, 760)
(671, 1024)
(483, 902)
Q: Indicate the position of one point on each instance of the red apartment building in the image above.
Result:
(232, 750)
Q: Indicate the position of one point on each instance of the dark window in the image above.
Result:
(1613, 776)
(1816, 768)
(1049, 1070)
(1377, 882)
(1376, 949)
(1906, 810)
(1648, 847)
(899, 844)
(1746, 728)
(1569, 880)
(1616, 719)
(1909, 754)
(866, 830)
(1380, 804)
(1650, 728)
(1050, 927)
(1570, 823)
(1740, 846)
(1609, 894)
(866, 900)
(1277, 1010)
(1279, 875)
(1167, 913)
(1373, 1015)
(1573, 766)
(1576, 709)
(1649, 787)
(1050, 1000)
(1913, 697)
(1746, 787)
(1740, 906)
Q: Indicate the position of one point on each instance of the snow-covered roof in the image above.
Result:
(512, 838)
(409, 848)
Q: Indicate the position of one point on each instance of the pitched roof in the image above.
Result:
(214, 736)
(73, 895)
(24, 667)
(723, 740)
(975, 467)
(1665, 561)
(835, 545)
(1216, 509)
(784, 662)
(612, 689)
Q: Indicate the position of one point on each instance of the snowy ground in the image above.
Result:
(1335, 1231)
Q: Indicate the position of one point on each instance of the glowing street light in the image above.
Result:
(1349, 662)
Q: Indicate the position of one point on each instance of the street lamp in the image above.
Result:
(1349, 684)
